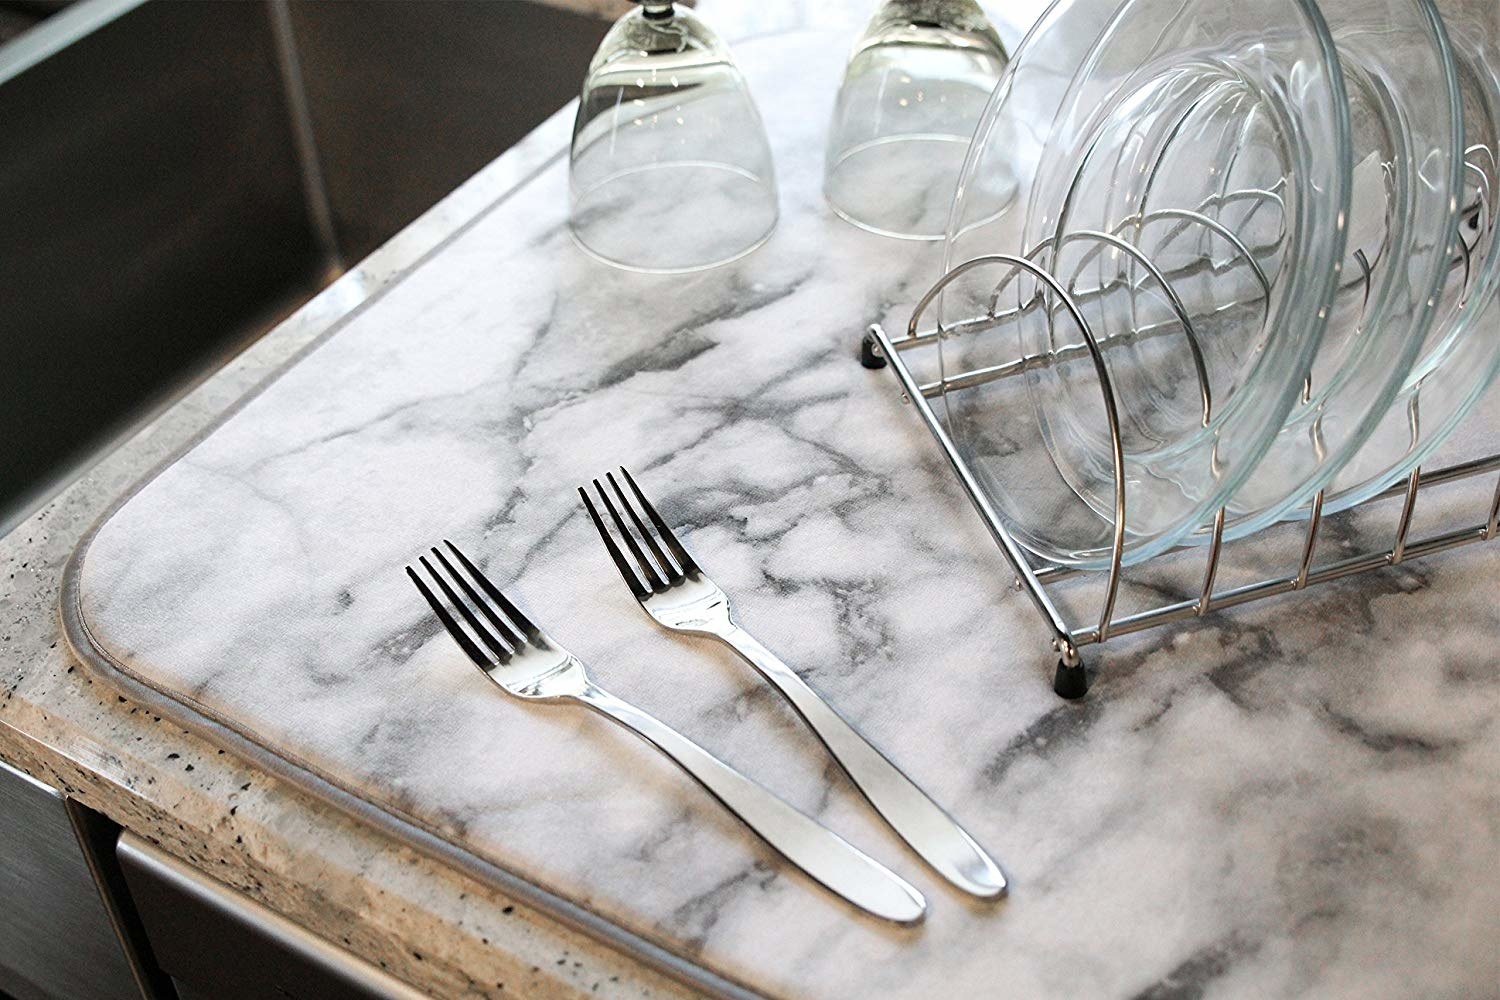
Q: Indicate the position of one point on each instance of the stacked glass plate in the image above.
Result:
(1263, 252)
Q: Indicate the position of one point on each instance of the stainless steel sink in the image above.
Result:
(176, 176)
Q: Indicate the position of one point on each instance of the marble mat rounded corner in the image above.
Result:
(92, 654)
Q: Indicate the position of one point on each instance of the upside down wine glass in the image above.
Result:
(669, 169)
(914, 89)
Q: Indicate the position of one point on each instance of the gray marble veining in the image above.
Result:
(434, 926)
(341, 878)
(1248, 810)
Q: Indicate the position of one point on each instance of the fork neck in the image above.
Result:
(750, 648)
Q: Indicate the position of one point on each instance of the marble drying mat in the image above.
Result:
(1173, 829)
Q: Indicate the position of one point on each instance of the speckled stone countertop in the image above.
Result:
(402, 911)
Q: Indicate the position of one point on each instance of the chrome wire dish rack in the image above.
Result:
(1034, 576)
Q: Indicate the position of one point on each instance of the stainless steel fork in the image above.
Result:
(678, 594)
(526, 662)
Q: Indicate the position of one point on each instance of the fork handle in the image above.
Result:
(917, 819)
(818, 851)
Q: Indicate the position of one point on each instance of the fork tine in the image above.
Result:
(648, 570)
(507, 631)
(640, 590)
(681, 554)
(472, 651)
(668, 570)
(499, 648)
(511, 611)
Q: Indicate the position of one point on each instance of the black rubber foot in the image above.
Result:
(1071, 683)
(868, 355)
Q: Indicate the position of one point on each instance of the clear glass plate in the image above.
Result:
(1406, 130)
(1461, 355)
(669, 170)
(1184, 168)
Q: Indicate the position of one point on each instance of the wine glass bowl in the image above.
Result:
(913, 90)
(669, 170)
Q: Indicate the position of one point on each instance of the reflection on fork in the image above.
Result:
(679, 596)
(526, 662)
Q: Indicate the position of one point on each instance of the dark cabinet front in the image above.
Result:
(218, 944)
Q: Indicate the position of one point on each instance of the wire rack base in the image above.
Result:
(879, 350)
